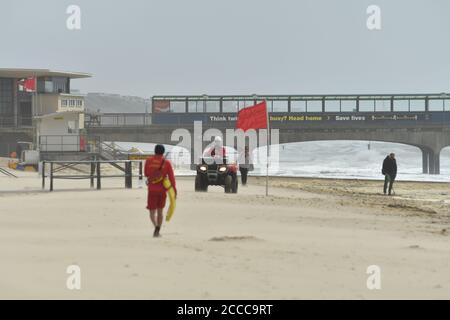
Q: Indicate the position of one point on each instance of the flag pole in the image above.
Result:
(268, 149)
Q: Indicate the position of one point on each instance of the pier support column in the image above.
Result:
(431, 163)
(425, 161)
(437, 163)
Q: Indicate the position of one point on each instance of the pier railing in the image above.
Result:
(304, 103)
(68, 143)
(118, 120)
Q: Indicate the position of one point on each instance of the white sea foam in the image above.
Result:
(332, 159)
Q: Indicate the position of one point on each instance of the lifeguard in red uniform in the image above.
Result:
(157, 168)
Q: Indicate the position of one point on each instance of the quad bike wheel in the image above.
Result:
(234, 184)
(228, 184)
(200, 185)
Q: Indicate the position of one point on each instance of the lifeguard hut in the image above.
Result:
(41, 101)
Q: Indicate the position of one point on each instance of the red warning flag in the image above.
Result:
(253, 117)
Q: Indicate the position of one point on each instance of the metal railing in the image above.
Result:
(95, 172)
(110, 151)
(68, 143)
(304, 103)
(167, 109)
(118, 120)
(7, 173)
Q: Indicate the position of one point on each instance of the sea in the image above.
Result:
(324, 159)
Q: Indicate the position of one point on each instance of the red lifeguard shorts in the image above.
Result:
(156, 201)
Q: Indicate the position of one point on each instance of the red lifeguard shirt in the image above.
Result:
(158, 167)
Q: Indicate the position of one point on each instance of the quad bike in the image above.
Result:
(216, 172)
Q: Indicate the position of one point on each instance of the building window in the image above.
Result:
(417, 105)
(348, 105)
(366, 105)
(242, 104)
(298, 106)
(72, 103)
(401, 105)
(436, 105)
(196, 106)
(53, 85)
(71, 127)
(280, 105)
(332, 106)
(177, 106)
(314, 106)
(383, 105)
(48, 87)
(6, 96)
(213, 106)
(229, 106)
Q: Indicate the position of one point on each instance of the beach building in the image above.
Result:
(38, 105)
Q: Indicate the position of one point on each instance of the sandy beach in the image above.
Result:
(310, 239)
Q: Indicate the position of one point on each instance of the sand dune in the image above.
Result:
(309, 239)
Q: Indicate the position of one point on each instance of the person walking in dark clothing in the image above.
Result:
(390, 173)
(245, 167)
(244, 175)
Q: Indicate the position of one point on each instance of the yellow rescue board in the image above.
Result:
(172, 198)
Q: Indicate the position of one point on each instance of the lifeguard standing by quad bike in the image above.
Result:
(215, 170)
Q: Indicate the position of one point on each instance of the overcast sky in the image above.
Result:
(154, 47)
